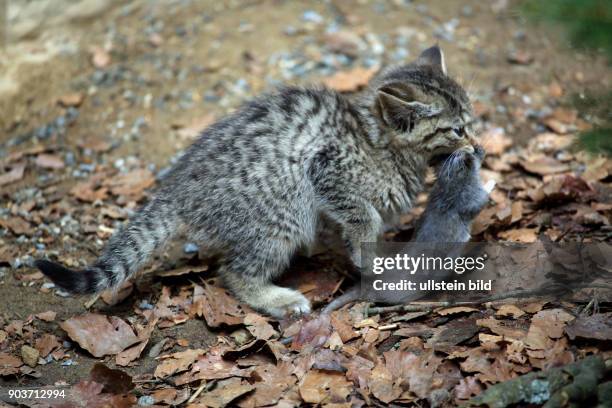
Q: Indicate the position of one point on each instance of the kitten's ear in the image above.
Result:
(399, 106)
(434, 57)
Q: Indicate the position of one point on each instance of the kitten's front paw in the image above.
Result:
(286, 302)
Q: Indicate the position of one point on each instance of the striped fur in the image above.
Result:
(254, 185)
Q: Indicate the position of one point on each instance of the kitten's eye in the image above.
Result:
(459, 132)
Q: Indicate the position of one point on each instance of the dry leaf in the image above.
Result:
(47, 316)
(99, 334)
(340, 321)
(18, 225)
(495, 141)
(557, 126)
(195, 127)
(87, 191)
(344, 42)
(544, 165)
(349, 81)
(15, 174)
(484, 220)
(503, 328)
(132, 184)
(223, 394)
(259, 327)
(71, 99)
(183, 270)
(555, 90)
(597, 169)
(509, 310)
(95, 144)
(322, 386)
(49, 161)
(550, 142)
(520, 57)
(454, 310)
(382, 386)
(597, 326)
(516, 211)
(526, 235)
(115, 296)
(211, 366)
(9, 365)
(132, 353)
(46, 344)
(216, 306)
(415, 370)
(166, 396)
(29, 277)
(271, 381)
(467, 388)
(177, 362)
(313, 333)
(114, 381)
(89, 394)
(546, 325)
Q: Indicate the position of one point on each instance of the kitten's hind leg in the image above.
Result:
(251, 283)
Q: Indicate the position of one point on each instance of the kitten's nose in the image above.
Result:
(472, 140)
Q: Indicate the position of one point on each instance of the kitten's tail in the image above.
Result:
(125, 253)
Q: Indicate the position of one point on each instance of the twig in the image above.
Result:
(425, 307)
(585, 310)
(388, 327)
(199, 390)
(502, 296)
(340, 282)
(92, 301)
(151, 381)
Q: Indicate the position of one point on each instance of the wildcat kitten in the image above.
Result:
(454, 201)
(253, 185)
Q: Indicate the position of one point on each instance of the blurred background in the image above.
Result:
(99, 97)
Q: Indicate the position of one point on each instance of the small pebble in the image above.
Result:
(311, 16)
(62, 293)
(146, 400)
(190, 248)
(145, 305)
(290, 31)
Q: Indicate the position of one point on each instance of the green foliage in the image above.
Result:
(598, 140)
(589, 26)
(588, 22)
(599, 105)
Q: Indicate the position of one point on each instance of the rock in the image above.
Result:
(29, 355)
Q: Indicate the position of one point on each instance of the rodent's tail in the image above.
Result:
(124, 254)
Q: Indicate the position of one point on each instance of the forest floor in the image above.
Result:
(98, 100)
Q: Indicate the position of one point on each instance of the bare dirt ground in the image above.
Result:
(111, 88)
